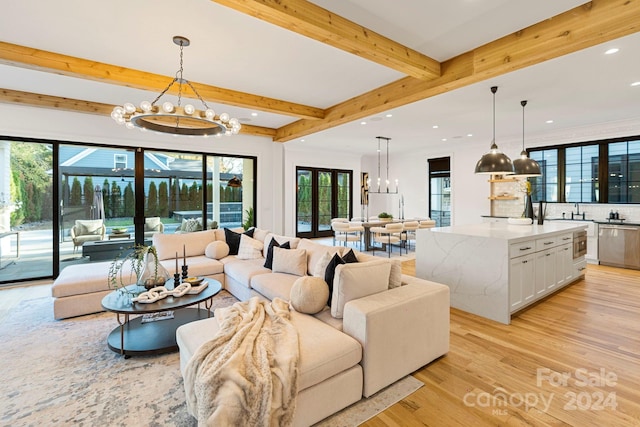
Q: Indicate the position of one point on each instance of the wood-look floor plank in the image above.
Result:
(586, 330)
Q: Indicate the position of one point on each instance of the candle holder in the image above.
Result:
(185, 271)
(176, 280)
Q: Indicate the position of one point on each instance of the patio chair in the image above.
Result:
(87, 230)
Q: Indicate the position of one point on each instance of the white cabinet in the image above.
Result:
(521, 281)
(539, 267)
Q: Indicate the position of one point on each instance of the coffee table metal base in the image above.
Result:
(134, 338)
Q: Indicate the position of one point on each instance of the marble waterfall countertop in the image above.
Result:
(510, 232)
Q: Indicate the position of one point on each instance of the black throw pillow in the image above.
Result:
(350, 257)
(233, 239)
(268, 262)
(330, 272)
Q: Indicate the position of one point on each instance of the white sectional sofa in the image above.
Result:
(352, 348)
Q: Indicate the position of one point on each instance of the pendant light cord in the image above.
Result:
(523, 103)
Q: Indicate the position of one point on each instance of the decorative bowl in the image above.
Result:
(119, 230)
(193, 280)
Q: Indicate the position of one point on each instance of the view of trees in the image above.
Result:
(30, 184)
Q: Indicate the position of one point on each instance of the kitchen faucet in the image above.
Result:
(577, 213)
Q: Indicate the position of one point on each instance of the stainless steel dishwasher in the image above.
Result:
(619, 245)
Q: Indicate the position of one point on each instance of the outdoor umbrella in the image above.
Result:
(97, 209)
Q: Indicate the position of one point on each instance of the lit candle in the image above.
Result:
(176, 262)
(184, 255)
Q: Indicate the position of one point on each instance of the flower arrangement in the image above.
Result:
(385, 215)
(525, 187)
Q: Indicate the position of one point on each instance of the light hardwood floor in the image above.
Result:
(572, 359)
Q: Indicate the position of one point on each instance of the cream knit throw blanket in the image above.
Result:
(247, 375)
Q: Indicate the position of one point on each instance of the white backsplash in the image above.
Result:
(594, 211)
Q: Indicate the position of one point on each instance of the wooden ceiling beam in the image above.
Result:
(593, 23)
(34, 59)
(9, 96)
(315, 22)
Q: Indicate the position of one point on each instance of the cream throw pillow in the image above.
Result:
(249, 248)
(291, 261)
(321, 265)
(357, 280)
(216, 250)
(309, 294)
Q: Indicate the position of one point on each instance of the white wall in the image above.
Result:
(66, 126)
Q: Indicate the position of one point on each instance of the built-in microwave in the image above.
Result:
(579, 244)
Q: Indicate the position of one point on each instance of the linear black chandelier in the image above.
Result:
(379, 189)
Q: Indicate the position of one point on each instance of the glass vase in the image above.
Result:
(153, 273)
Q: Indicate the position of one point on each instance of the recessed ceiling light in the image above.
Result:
(302, 140)
(549, 121)
(444, 139)
(435, 126)
(254, 114)
(611, 51)
(363, 123)
(389, 115)
(469, 134)
(635, 84)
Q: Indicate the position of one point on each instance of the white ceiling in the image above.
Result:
(235, 51)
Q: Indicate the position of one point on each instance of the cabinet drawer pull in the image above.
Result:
(566, 238)
(548, 255)
(548, 243)
(525, 261)
(526, 248)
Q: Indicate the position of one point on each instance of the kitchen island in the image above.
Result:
(496, 269)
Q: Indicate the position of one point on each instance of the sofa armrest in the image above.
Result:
(400, 330)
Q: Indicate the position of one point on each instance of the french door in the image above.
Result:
(321, 194)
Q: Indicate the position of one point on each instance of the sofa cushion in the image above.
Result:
(167, 245)
(395, 278)
(260, 234)
(249, 248)
(242, 271)
(87, 278)
(309, 294)
(357, 280)
(197, 266)
(88, 226)
(233, 239)
(321, 266)
(315, 252)
(274, 285)
(216, 250)
(293, 241)
(291, 261)
(268, 261)
(331, 268)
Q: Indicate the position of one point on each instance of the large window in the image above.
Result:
(581, 174)
(595, 172)
(440, 191)
(545, 187)
(624, 172)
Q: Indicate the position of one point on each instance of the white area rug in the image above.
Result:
(61, 373)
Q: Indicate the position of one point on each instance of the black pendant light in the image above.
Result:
(495, 162)
(524, 166)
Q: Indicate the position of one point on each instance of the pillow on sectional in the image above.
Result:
(309, 294)
(321, 266)
(249, 248)
(260, 234)
(233, 239)
(291, 261)
(395, 279)
(329, 273)
(353, 281)
(349, 257)
(216, 250)
(268, 262)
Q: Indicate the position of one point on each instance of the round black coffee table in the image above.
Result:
(139, 336)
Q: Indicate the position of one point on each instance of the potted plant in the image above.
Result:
(384, 216)
(144, 263)
(248, 222)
